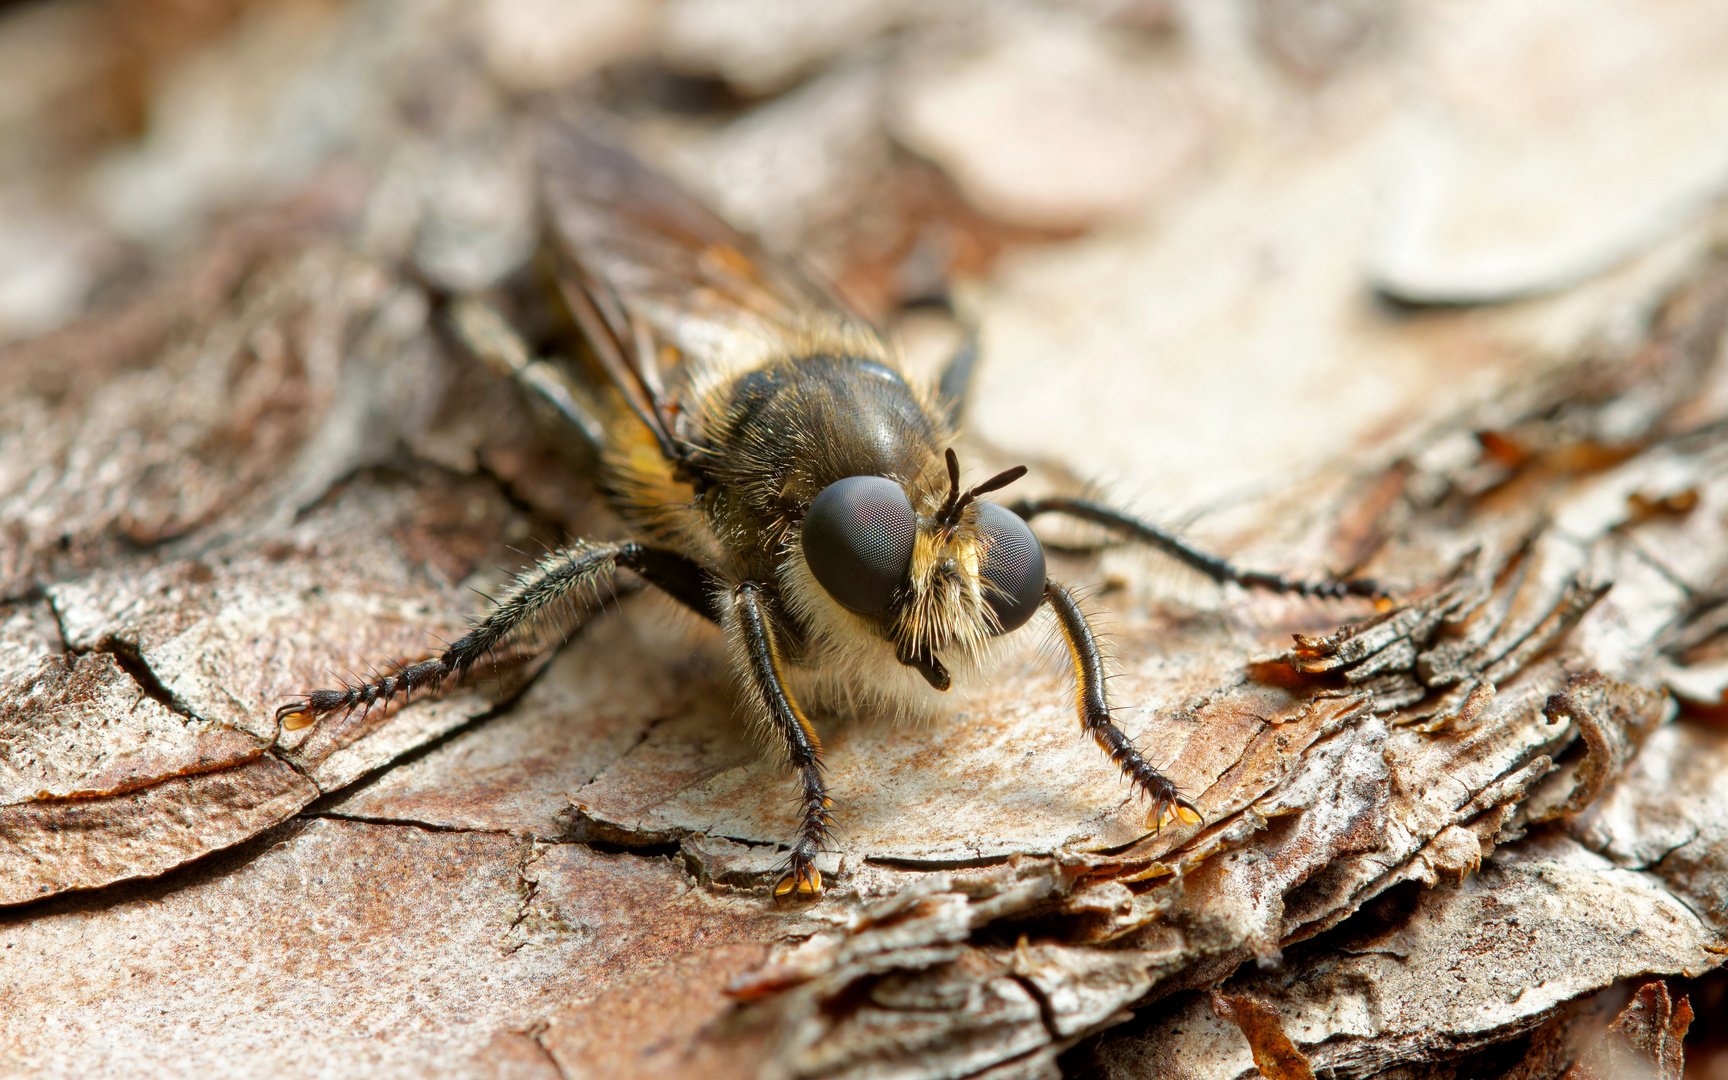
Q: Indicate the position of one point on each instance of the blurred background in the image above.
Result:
(1206, 241)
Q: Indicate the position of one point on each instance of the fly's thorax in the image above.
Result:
(776, 436)
(768, 438)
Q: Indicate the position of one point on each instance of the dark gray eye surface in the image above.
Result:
(1013, 565)
(858, 541)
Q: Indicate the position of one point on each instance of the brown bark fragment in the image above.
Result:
(80, 726)
(186, 424)
(593, 704)
(1465, 966)
(224, 638)
(1274, 1054)
(56, 845)
(394, 950)
(1613, 722)
(1669, 815)
(667, 1020)
(228, 634)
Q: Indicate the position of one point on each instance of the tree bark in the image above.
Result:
(1458, 832)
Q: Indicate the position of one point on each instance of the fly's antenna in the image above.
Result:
(950, 507)
(956, 501)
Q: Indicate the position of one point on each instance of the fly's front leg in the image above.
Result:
(559, 588)
(1094, 708)
(753, 630)
(1212, 566)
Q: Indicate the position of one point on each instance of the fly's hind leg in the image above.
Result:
(929, 292)
(1219, 570)
(483, 331)
(954, 385)
(754, 638)
(1094, 708)
(560, 586)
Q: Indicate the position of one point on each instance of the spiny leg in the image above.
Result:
(755, 629)
(1094, 709)
(572, 577)
(930, 292)
(488, 335)
(1212, 566)
(954, 388)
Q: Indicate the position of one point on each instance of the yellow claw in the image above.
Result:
(294, 721)
(1164, 813)
(803, 880)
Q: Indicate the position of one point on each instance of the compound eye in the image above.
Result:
(1013, 566)
(858, 541)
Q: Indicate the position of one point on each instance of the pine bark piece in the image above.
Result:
(192, 656)
(230, 635)
(652, 1023)
(1274, 1054)
(1613, 720)
(52, 846)
(153, 422)
(101, 782)
(81, 727)
(596, 701)
(330, 943)
(1667, 816)
(1472, 964)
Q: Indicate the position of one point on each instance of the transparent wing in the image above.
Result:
(670, 295)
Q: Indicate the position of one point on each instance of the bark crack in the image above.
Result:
(371, 776)
(1046, 1011)
(526, 889)
(131, 661)
(647, 731)
(537, 1035)
(408, 823)
(1655, 865)
(900, 862)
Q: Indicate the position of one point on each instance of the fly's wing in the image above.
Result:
(672, 298)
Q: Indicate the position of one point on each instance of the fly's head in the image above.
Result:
(929, 580)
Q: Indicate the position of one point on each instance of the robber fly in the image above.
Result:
(784, 479)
